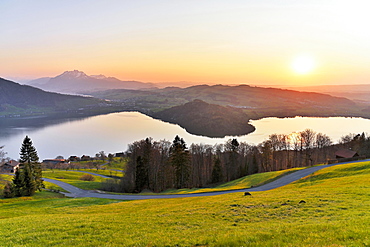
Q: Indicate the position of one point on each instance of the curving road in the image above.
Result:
(76, 192)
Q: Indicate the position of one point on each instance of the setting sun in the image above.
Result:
(303, 64)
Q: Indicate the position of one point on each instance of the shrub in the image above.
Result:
(113, 185)
(8, 191)
(87, 177)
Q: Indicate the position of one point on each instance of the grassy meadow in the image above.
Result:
(73, 178)
(105, 172)
(328, 208)
(253, 180)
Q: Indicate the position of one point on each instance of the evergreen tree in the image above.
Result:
(29, 188)
(28, 152)
(18, 182)
(217, 171)
(8, 191)
(179, 158)
(141, 178)
(30, 161)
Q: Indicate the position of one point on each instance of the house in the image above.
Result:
(346, 154)
(55, 161)
(9, 167)
(74, 158)
(85, 158)
(119, 155)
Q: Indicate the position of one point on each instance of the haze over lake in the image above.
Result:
(113, 132)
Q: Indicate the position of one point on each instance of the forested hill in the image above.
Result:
(257, 102)
(201, 118)
(244, 95)
(16, 99)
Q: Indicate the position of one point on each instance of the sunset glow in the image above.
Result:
(249, 42)
(303, 64)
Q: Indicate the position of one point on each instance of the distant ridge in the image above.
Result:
(24, 100)
(355, 92)
(78, 82)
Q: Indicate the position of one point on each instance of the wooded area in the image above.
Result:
(160, 165)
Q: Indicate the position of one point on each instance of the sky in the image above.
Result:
(264, 42)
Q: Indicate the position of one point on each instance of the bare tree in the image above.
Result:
(308, 138)
(2, 154)
(265, 150)
(323, 140)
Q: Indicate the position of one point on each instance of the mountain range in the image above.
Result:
(258, 102)
(214, 111)
(356, 92)
(24, 100)
(77, 82)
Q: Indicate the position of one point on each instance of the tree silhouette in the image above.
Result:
(28, 178)
(179, 158)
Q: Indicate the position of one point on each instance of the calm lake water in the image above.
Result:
(113, 132)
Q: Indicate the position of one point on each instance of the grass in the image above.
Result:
(54, 187)
(241, 183)
(4, 178)
(105, 172)
(335, 213)
(117, 163)
(73, 178)
(50, 186)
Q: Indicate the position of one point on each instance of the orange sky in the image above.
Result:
(228, 42)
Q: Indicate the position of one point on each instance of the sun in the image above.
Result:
(303, 64)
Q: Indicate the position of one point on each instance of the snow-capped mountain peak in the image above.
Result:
(78, 82)
(73, 74)
(100, 77)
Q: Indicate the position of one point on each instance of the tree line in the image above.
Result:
(160, 165)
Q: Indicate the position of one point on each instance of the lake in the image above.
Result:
(112, 133)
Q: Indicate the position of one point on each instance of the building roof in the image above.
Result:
(12, 163)
(346, 153)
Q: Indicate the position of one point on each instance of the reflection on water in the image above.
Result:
(11, 126)
(113, 132)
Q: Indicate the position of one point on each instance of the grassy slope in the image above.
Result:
(241, 183)
(105, 172)
(73, 178)
(335, 214)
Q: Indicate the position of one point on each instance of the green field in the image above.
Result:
(73, 178)
(241, 183)
(117, 163)
(105, 172)
(335, 213)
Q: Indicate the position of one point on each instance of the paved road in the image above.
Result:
(76, 192)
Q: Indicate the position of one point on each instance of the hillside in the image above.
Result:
(16, 99)
(201, 118)
(77, 82)
(243, 100)
(356, 92)
(328, 208)
(257, 102)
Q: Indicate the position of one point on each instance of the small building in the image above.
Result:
(9, 167)
(346, 154)
(85, 158)
(74, 158)
(55, 161)
(119, 155)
